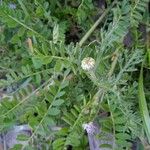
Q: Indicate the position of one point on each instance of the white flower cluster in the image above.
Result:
(88, 63)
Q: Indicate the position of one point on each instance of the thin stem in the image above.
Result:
(113, 123)
(26, 76)
(45, 115)
(26, 98)
(87, 35)
(26, 27)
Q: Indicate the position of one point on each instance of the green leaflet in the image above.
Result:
(23, 7)
(143, 105)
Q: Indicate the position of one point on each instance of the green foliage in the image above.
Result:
(136, 11)
(42, 81)
(143, 106)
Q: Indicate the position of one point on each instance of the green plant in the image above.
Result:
(45, 85)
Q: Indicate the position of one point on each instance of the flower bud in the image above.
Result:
(88, 63)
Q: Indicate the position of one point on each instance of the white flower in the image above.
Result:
(88, 63)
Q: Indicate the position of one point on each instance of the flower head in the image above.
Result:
(89, 127)
(88, 63)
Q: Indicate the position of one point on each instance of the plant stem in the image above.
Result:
(113, 65)
(87, 35)
(113, 123)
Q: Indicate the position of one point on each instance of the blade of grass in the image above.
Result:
(148, 53)
(143, 105)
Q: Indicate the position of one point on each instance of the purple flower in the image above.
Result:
(92, 133)
(90, 128)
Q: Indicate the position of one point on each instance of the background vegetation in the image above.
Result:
(42, 83)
